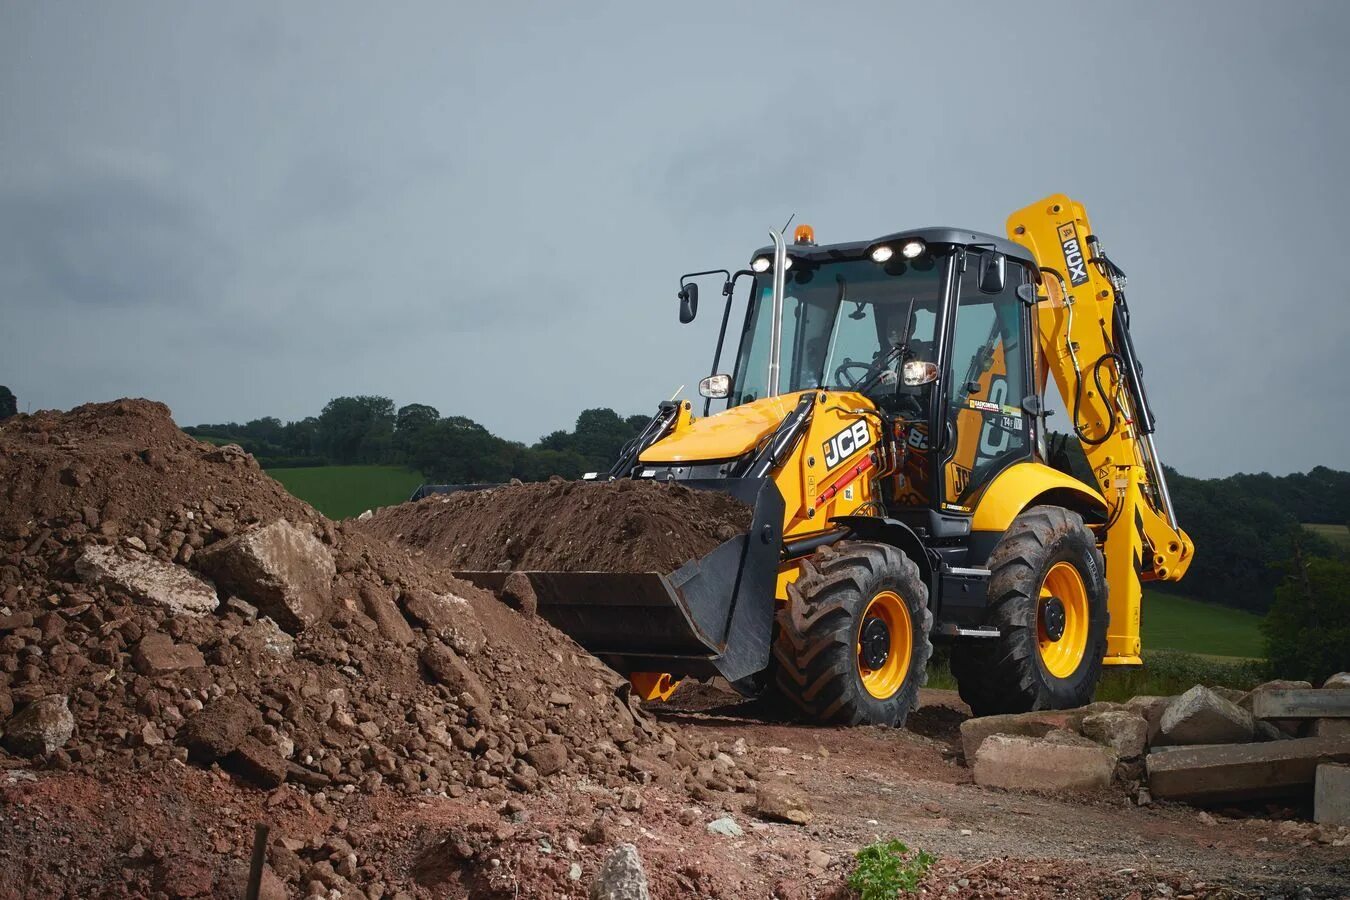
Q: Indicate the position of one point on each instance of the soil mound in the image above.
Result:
(163, 601)
(619, 526)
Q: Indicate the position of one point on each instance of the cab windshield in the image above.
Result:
(840, 320)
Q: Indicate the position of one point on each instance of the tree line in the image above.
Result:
(370, 430)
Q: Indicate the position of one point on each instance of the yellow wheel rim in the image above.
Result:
(883, 650)
(1063, 584)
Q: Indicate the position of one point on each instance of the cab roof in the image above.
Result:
(932, 235)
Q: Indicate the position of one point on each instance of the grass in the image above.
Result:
(1172, 622)
(340, 492)
(1338, 535)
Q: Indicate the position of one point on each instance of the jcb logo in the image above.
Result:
(846, 443)
(1073, 254)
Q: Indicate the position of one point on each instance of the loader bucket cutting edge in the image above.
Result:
(712, 616)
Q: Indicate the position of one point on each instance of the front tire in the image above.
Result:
(852, 643)
(1047, 591)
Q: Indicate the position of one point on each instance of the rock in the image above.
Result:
(621, 877)
(1201, 716)
(448, 617)
(1124, 732)
(818, 859)
(1031, 724)
(630, 799)
(42, 727)
(547, 758)
(1232, 695)
(258, 763)
(1339, 680)
(519, 594)
(783, 803)
(148, 580)
(379, 605)
(725, 826)
(447, 668)
(157, 654)
(268, 637)
(285, 572)
(219, 728)
(231, 454)
(1024, 763)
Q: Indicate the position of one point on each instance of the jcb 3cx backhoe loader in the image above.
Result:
(885, 420)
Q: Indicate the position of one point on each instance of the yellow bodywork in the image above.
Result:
(1076, 328)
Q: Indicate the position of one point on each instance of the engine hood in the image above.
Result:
(726, 435)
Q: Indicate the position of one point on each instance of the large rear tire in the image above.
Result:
(852, 643)
(1047, 590)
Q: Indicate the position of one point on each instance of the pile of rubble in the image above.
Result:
(163, 601)
(1283, 739)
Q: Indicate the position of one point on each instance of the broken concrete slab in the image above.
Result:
(1124, 732)
(1331, 795)
(1291, 727)
(1241, 772)
(1317, 703)
(1152, 709)
(974, 732)
(147, 580)
(284, 571)
(1201, 716)
(1030, 764)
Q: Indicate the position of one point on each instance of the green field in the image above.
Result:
(1180, 623)
(341, 492)
(1339, 535)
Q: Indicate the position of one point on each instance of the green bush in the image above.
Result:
(1167, 672)
(884, 869)
(1308, 627)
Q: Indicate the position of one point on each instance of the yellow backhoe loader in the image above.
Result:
(885, 418)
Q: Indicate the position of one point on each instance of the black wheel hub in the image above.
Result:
(876, 643)
(1052, 617)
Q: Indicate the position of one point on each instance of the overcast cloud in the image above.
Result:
(246, 209)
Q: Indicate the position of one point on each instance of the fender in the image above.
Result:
(1027, 483)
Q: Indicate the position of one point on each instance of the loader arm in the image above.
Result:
(1083, 327)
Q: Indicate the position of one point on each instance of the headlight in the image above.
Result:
(913, 249)
(761, 264)
(882, 253)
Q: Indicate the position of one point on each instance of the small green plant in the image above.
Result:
(886, 869)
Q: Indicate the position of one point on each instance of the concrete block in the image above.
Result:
(1031, 764)
(1152, 709)
(1323, 703)
(974, 732)
(1331, 728)
(1241, 772)
(1201, 716)
(1331, 795)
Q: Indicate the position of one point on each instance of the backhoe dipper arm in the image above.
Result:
(1083, 327)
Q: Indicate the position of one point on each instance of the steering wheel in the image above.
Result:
(842, 372)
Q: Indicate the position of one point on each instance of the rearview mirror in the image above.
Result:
(688, 303)
(715, 387)
(993, 273)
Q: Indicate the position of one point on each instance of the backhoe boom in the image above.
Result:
(1083, 327)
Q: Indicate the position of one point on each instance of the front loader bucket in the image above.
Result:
(712, 616)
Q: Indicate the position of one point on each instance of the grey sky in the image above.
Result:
(247, 209)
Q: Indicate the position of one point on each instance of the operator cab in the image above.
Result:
(932, 325)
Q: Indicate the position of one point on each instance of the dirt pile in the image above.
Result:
(162, 601)
(621, 526)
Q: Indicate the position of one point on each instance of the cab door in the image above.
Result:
(989, 375)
